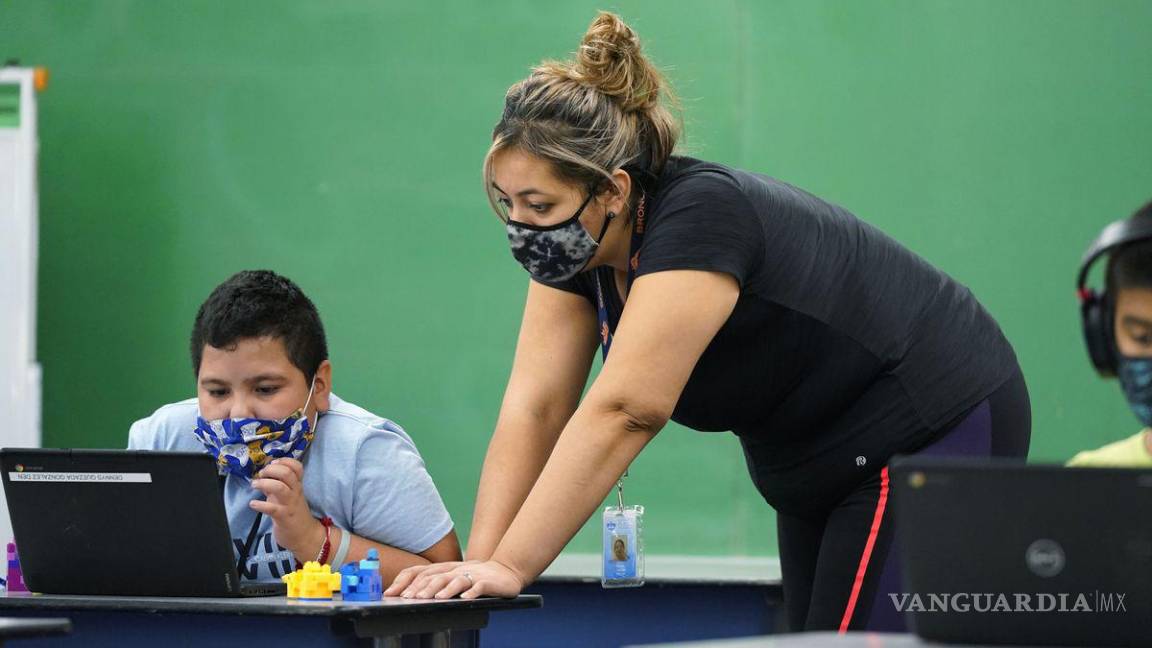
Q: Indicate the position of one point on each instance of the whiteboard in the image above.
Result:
(19, 371)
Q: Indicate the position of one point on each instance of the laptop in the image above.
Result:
(998, 552)
(122, 522)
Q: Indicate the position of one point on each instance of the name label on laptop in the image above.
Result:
(87, 477)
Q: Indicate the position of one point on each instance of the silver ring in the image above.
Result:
(468, 575)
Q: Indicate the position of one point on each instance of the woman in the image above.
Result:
(729, 301)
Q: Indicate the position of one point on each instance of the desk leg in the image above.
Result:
(455, 629)
(446, 639)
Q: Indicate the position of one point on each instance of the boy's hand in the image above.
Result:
(293, 526)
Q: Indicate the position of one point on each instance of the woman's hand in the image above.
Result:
(468, 580)
(407, 576)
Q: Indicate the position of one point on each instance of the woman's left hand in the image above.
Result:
(468, 581)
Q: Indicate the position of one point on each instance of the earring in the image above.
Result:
(611, 215)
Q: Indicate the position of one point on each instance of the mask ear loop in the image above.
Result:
(309, 402)
(604, 229)
(608, 217)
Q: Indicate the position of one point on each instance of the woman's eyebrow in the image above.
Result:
(524, 192)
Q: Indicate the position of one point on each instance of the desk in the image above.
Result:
(685, 598)
(24, 628)
(145, 621)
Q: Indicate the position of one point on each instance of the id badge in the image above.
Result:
(623, 547)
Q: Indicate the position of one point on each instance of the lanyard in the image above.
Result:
(246, 550)
(633, 261)
(242, 561)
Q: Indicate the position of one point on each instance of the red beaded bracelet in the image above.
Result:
(322, 557)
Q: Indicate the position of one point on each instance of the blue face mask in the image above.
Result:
(244, 446)
(556, 252)
(1135, 376)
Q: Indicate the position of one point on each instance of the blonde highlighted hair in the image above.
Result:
(607, 109)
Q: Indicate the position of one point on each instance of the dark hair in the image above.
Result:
(602, 111)
(1130, 266)
(261, 303)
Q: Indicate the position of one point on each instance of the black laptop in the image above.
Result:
(122, 522)
(1004, 553)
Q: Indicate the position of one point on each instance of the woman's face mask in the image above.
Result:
(555, 252)
(244, 446)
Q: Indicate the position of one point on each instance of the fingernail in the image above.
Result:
(406, 594)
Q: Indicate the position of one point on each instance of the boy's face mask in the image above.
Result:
(243, 446)
(555, 252)
(1135, 376)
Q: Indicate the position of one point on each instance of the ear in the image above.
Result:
(322, 391)
(615, 196)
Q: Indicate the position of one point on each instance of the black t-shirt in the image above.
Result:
(828, 305)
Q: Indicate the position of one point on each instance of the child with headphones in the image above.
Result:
(1118, 330)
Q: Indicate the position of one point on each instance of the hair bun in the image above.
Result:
(610, 60)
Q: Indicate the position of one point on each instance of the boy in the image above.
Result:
(1123, 344)
(305, 475)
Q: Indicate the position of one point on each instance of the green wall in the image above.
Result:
(340, 142)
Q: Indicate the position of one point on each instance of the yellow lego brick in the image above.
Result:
(314, 581)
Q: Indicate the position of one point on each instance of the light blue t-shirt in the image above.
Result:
(361, 470)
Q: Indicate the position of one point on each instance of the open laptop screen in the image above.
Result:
(124, 522)
(1001, 552)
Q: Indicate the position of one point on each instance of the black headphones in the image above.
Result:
(1096, 307)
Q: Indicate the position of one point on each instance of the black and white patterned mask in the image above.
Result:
(555, 252)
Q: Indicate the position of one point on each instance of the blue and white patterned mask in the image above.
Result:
(555, 252)
(1135, 376)
(244, 446)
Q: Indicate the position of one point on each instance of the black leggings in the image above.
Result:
(841, 562)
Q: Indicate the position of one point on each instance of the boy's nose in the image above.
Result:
(240, 408)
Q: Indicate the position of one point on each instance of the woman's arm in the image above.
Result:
(553, 357)
(670, 319)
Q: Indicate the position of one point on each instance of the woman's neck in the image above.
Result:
(617, 245)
